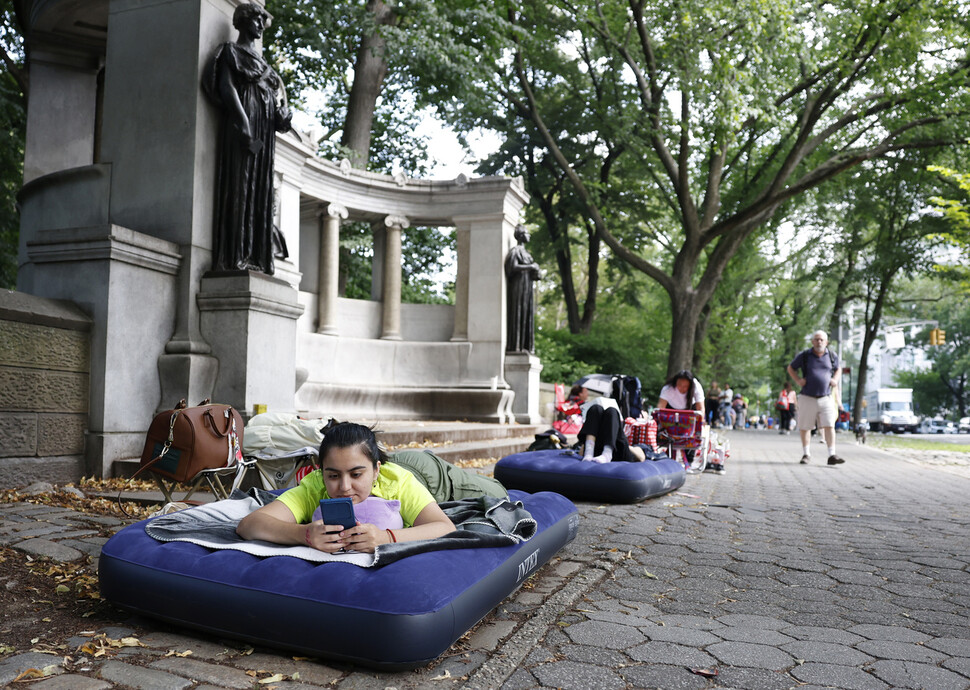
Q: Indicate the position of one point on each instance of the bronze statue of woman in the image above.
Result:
(254, 108)
(520, 272)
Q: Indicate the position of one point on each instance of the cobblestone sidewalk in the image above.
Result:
(775, 575)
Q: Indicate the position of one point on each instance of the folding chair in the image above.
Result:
(683, 430)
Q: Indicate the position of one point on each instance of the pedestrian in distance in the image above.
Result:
(817, 371)
(725, 413)
(783, 405)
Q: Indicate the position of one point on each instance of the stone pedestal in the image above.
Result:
(249, 319)
(186, 375)
(522, 373)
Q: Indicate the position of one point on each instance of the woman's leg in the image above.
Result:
(613, 444)
(589, 435)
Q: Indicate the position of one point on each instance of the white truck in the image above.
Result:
(891, 409)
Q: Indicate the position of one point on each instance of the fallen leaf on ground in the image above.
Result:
(275, 678)
(706, 672)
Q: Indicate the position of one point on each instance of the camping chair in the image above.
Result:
(684, 430)
(274, 470)
(280, 470)
(569, 416)
(214, 478)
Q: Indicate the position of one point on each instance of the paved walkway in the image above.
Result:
(775, 575)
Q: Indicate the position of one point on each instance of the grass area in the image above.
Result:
(894, 442)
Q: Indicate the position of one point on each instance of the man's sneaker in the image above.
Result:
(717, 468)
(805, 459)
(835, 460)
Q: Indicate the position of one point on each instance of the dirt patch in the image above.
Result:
(44, 602)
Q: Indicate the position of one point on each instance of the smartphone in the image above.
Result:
(338, 511)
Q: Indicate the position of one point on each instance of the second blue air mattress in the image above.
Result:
(614, 482)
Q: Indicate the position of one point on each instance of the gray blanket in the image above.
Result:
(482, 521)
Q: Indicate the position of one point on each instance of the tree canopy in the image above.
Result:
(686, 126)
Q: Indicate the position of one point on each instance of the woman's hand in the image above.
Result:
(365, 537)
(326, 538)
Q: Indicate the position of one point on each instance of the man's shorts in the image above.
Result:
(812, 409)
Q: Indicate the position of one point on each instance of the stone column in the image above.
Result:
(391, 292)
(329, 271)
(463, 242)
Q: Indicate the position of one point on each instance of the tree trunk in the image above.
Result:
(872, 322)
(370, 69)
(558, 228)
(685, 317)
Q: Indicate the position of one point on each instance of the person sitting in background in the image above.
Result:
(684, 392)
(602, 432)
(740, 407)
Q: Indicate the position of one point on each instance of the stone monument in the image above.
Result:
(118, 213)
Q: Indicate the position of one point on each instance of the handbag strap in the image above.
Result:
(210, 421)
(165, 448)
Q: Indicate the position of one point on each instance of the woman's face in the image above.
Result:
(348, 472)
(683, 385)
(252, 26)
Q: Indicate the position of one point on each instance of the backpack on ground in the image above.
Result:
(548, 440)
(627, 393)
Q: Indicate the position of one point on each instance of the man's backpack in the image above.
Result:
(626, 391)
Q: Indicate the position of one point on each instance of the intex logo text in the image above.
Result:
(528, 565)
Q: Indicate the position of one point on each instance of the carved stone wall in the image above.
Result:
(45, 355)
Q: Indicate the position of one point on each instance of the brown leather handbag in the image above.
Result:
(186, 440)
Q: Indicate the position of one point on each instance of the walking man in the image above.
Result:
(820, 372)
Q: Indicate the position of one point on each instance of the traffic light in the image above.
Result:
(935, 336)
(940, 336)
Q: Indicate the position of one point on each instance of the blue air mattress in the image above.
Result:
(399, 616)
(614, 482)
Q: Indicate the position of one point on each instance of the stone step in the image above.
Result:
(402, 433)
(494, 449)
(452, 441)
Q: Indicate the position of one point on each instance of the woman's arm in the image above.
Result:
(276, 523)
(662, 404)
(273, 522)
(431, 522)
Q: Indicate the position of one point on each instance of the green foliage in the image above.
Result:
(678, 129)
(930, 393)
(432, 50)
(943, 389)
(12, 136)
(626, 338)
(424, 254)
(953, 210)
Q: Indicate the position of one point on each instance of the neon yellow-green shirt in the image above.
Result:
(393, 483)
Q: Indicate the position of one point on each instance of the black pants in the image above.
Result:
(605, 425)
(784, 419)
